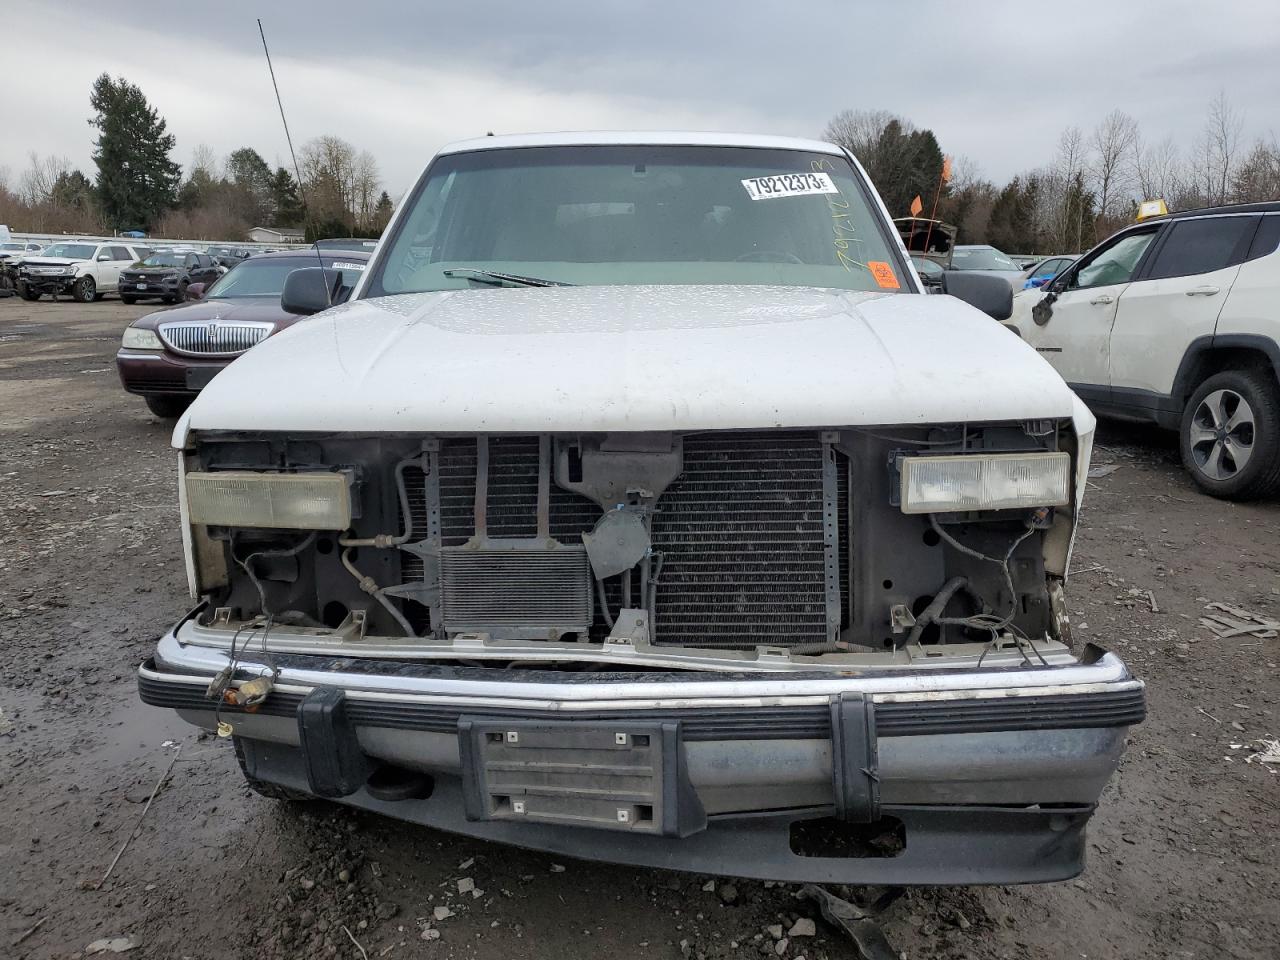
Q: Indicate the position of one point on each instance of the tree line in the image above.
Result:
(1090, 188)
(138, 185)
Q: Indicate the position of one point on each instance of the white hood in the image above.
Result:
(38, 261)
(632, 358)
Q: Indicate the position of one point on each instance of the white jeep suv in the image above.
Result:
(1176, 321)
(85, 269)
(641, 506)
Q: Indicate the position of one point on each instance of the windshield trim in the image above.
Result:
(369, 284)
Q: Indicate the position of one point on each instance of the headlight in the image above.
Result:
(68, 271)
(170, 276)
(296, 501)
(135, 338)
(987, 482)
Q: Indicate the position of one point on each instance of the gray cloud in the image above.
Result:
(996, 81)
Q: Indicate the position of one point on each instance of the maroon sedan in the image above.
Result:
(168, 356)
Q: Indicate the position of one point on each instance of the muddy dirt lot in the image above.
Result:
(1184, 857)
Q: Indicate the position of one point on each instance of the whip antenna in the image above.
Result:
(302, 194)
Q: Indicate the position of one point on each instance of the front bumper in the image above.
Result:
(908, 778)
(152, 373)
(151, 287)
(49, 284)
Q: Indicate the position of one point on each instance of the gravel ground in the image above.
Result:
(1184, 860)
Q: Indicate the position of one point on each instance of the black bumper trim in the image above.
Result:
(944, 845)
(1121, 708)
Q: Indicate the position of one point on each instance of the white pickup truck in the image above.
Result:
(83, 269)
(641, 506)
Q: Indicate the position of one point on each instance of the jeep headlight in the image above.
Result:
(295, 501)
(135, 338)
(998, 481)
(68, 271)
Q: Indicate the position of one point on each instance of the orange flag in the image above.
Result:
(916, 206)
(946, 169)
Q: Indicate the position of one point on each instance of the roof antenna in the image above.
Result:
(302, 194)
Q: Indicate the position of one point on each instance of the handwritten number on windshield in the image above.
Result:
(843, 231)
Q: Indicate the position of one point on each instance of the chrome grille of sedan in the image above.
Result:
(213, 336)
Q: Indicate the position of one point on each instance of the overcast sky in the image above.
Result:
(996, 81)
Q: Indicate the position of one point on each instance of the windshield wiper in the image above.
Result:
(497, 278)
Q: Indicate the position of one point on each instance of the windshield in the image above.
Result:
(981, 258)
(165, 260)
(265, 277)
(640, 214)
(73, 251)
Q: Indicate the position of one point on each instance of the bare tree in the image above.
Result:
(860, 131)
(1218, 148)
(35, 186)
(1257, 177)
(1112, 144)
(1158, 170)
(204, 162)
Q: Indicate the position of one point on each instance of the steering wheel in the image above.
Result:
(767, 256)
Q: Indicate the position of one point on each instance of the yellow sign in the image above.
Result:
(1152, 208)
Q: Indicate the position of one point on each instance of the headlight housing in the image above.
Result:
(136, 338)
(997, 481)
(294, 501)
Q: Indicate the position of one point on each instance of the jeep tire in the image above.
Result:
(1230, 435)
(84, 290)
(28, 293)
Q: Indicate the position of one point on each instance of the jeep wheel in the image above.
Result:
(1230, 435)
(168, 407)
(84, 290)
(28, 293)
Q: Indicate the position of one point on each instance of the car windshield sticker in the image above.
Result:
(344, 265)
(883, 274)
(788, 185)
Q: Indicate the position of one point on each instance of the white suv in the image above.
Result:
(84, 269)
(1176, 322)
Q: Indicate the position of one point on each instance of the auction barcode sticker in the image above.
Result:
(788, 185)
(346, 265)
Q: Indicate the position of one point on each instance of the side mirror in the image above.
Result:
(195, 291)
(992, 295)
(306, 291)
(104, 257)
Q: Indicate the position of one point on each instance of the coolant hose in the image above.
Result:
(935, 607)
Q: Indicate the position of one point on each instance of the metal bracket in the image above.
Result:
(901, 619)
(630, 629)
(831, 534)
(855, 777)
(857, 921)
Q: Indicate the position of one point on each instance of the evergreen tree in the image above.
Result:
(137, 181)
(72, 190)
(252, 180)
(284, 199)
(382, 212)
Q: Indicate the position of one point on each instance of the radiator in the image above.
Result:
(753, 533)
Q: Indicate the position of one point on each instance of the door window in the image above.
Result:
(1113, 264)
(1202, 246)
(120, 253)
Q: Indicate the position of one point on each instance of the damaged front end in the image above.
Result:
(722, 636)
(724, 548)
